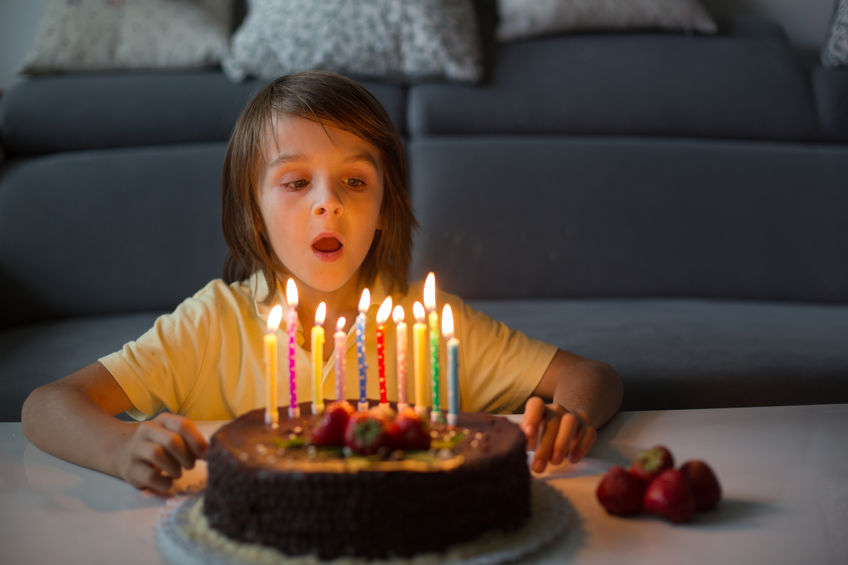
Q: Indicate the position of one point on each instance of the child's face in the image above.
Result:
(320, 195)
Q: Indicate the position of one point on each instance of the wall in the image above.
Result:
(806, 22)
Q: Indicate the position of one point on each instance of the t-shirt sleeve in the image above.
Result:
(159, 369)
(499, 366)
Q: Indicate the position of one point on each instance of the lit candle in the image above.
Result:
(419, 350)
(433, 318)
(400, 341)
(364, 304)
(382, 316)
(291, 330)
(318, 359)
(340, 339)
(453, 365)
(272, 417)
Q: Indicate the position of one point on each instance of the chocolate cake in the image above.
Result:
(269, 486)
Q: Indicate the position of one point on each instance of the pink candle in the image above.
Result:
(291, 330)
(400, 344)
(340, 340)
(382, 316)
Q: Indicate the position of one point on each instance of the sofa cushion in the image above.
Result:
(522, 19)
(675, 354)
(109, 231)
(508, 217)
(733, 85)
(383, 39)
(37, 354)
(134, 109)
(132, 34)
(831, 90)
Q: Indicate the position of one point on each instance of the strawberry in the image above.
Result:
(649, 463)
(365, 434)
(705, 485)
(620, 492)
(670, 496)
(331, 430)
(409, 432)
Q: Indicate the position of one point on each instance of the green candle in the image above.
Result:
(430, 304)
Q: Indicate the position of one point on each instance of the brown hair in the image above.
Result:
(326, 98)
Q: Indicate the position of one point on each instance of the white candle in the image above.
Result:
(453, 365)
(340, 340)
(318, 359)
(272, 416)
(400, 345)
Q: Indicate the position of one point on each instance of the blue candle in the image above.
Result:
(364, 304)
(453, 366)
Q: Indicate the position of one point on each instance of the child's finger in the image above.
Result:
(584, 444)
(173, 443)
(187, 430)
(155, 454)
(145, 475)
(534, 411)
(567, 430)
(546, 444)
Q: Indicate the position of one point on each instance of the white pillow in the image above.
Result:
(835, 50)
(520, 19)
(394, 39)
(93, 35)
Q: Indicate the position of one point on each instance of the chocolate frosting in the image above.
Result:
(300, 500)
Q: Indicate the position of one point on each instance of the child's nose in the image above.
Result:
(327, 202)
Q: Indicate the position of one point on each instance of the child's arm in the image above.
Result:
(73, 419)
(585, 394)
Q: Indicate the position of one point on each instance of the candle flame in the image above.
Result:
(430, 292)
(320, 314)
(275, 317)
(418, 312)
(447, 322)
(365, 301)
(384, 311)
(398, 314)
(340, 323)
(291, 293)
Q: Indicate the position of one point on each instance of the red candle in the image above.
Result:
(382, 316)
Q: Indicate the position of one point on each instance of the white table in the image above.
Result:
(784, 471)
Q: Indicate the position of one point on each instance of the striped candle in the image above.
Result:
(291, 330)
(364, 304)
(433, 318)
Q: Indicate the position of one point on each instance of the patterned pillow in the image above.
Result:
(90, 35)
(835, 50)
(393, 39)
(528, 18)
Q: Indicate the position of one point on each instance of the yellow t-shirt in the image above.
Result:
(205, 360)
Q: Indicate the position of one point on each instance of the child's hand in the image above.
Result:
(159, 450)
(554, 433)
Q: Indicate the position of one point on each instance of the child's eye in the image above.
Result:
(357, 184)
(298, 184)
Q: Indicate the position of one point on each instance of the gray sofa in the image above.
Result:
(673, 204)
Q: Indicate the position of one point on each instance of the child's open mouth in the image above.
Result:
(327, 248)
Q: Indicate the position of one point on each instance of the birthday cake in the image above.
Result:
(394, 485)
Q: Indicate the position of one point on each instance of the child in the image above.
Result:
(314, 188)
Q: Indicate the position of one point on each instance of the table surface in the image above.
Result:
(784, 472)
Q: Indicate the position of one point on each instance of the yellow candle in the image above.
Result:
(419, 349)
(400, 346)
(272, 417)
(318, 359)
